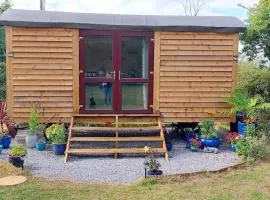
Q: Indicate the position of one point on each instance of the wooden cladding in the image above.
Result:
(196, 71)
(43, 73)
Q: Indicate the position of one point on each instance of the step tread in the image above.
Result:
(113, 115)
(114, 139)
(113, 150)
(82, 128)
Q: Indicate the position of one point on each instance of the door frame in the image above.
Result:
(116, 66)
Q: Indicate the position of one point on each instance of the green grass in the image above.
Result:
(248, 183)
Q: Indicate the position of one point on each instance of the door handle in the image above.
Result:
(113, 74)
(119, 75)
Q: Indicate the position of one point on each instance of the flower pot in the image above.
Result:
(1, 148)
(59, 149)
(169, 146)
(193, 149)
(31, 140)
(40, 146)
(155, 172)
(211, 142)
(5, 141)
(16, 161)
(233, 147)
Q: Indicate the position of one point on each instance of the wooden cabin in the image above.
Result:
(121, 69)
(77, 63)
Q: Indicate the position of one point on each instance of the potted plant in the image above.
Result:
(232, 138)
(208, 133)
(32, 136)
(151, 163)
(241, 103)
(16, 154)
(41, 145)
(56, 134)
(7, 127)
(194, 144)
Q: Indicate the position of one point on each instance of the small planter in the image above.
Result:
(5, 141)
(31, 140)
(40, 146)
(193, 149)
(211, 142)
(16, 161)
(169, 146)
(242, 128)
(233, 147)
(155, 172)
(1, 148)
(59, 149)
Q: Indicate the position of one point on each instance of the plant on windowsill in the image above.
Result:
(16, 155)
(151, 164)
(56, 134)
(208, 133)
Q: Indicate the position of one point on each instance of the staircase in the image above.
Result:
(121, 129)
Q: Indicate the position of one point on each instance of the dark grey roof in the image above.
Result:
(36, 18)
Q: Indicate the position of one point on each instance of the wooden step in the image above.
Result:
(112, 150)
(82, 128)
(115, 139)
(113, 115)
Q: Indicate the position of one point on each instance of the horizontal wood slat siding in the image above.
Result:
(43, 68)
(196, 73)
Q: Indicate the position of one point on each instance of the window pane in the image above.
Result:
(98, 96)
(135, 57)
(98, 56)
(134, 96)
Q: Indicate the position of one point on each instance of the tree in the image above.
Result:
(192, 7)
(256, 39)
(4, 5)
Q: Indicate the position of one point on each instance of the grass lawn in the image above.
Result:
(246, 183)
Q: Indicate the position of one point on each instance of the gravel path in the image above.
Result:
(123, 170)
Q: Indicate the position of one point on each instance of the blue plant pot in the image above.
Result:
(233, 147)
(5, 141)
(59, 149)
(16, 161)
(169, 146)
(242, 128)
(40, 146)
(1, 148)
(211, 142)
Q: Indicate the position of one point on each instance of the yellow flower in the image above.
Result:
(147, 149)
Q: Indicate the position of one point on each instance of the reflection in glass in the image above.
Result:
(134, 96)
(98, 56)
(98, 96)
(135, 57)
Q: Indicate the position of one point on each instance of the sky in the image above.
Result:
(144, 7)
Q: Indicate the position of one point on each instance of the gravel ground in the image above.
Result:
(124, 170)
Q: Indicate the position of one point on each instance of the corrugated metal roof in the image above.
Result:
(36, 18)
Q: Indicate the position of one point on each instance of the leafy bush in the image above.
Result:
(250, 106)
(254, 80)
(252, 148)
(207, 128)
(56, 134)
(18, 150)
(33, 121)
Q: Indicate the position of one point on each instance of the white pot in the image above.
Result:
(31, 140)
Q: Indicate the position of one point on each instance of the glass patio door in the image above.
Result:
(136, 72)
(116, 72)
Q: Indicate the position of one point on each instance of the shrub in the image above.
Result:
(33, 121)
(18, 150)
(254, 80)
(56, 134)
(252, 148)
